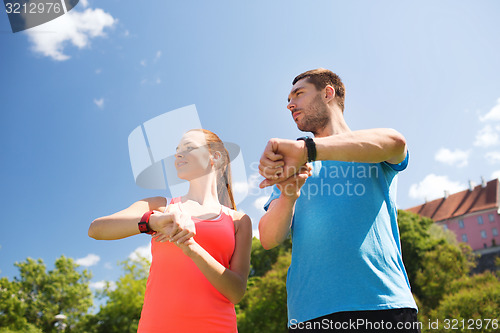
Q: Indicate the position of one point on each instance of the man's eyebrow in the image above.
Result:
(293, 92)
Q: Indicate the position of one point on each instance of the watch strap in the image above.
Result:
(144, 223)
(311, 148)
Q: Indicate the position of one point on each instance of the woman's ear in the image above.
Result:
(216, 159)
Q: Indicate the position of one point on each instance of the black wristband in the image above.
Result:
(311, 148)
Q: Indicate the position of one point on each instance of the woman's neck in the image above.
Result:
(203, 190)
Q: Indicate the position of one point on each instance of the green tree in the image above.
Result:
(432, 257)
(41, 295)
(440, 266)
(122, 311)
(265, 302)
(473, 299)
(12, 306)
(262, 260)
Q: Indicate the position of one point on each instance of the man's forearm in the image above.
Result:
(365, 146)
(275, 225)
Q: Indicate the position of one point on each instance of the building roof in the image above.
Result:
(461, 203)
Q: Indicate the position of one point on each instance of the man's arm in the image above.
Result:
(275, 225)
(364, 146)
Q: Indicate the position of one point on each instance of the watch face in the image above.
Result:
(143, 227)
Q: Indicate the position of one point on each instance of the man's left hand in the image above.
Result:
(281, 160)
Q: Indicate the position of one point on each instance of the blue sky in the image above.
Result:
(72, 90)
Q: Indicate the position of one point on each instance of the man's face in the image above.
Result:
(309, 110)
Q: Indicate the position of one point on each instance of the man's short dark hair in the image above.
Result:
(322, 77)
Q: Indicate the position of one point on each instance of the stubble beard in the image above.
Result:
(316, 118)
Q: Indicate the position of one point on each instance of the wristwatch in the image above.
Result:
(311, 148)
(144, 224)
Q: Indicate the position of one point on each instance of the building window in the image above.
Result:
(445, 227)
(483, 234)
(494, 231)
(491, 217)
(480, 220)
(461, 223)
(464, 238)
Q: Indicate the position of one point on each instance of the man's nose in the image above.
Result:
(291, 106)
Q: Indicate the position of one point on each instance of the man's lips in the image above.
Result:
(179, 164)
(295, 114)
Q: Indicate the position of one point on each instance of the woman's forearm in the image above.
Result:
(229, 283)
(110, 227)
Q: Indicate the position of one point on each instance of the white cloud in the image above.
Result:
(99, 102)
(493, 114)
(126, 33)
(158, 81)
(493, 157)
(108, 265)
(158, 55)
(251, 186)
(99, 285)
(85, 3)
(495, 174)
(77, 28)
(98, 71)
(141, 252)
(433, 187)
(89, 260)
(487, 136)
(260, 202)
(457, 157)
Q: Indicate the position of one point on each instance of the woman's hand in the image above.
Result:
(172, 226)
(188, 246)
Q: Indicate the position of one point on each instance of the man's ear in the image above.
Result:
(329, 93)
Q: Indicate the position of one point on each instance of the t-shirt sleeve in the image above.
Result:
(401, 166)
(275, 195)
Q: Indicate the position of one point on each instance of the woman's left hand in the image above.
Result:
(188, 246)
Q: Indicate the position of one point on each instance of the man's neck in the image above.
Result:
(336, 125)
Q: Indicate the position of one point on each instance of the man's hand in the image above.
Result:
(172, 226)
(291, 187)
(281, 159)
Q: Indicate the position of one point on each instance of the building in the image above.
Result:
(473, 214)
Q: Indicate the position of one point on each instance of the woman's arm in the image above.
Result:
(124, 223)
(230, 282)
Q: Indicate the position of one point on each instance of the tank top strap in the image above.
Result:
(169, 202)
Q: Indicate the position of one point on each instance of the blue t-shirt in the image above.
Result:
(346, 252)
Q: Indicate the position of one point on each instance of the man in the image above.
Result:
(347, 271)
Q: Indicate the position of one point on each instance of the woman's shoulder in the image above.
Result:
(156, 203)
(237, 215)
(240, 219)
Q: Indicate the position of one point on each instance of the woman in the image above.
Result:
(200, 247)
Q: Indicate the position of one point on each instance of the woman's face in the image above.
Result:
(192, 157)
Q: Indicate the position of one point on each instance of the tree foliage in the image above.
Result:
(37, 296)
(432, 259)
(471, 302)
(122, 311)
(264, 306)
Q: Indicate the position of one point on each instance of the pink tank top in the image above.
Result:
(179, 298)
